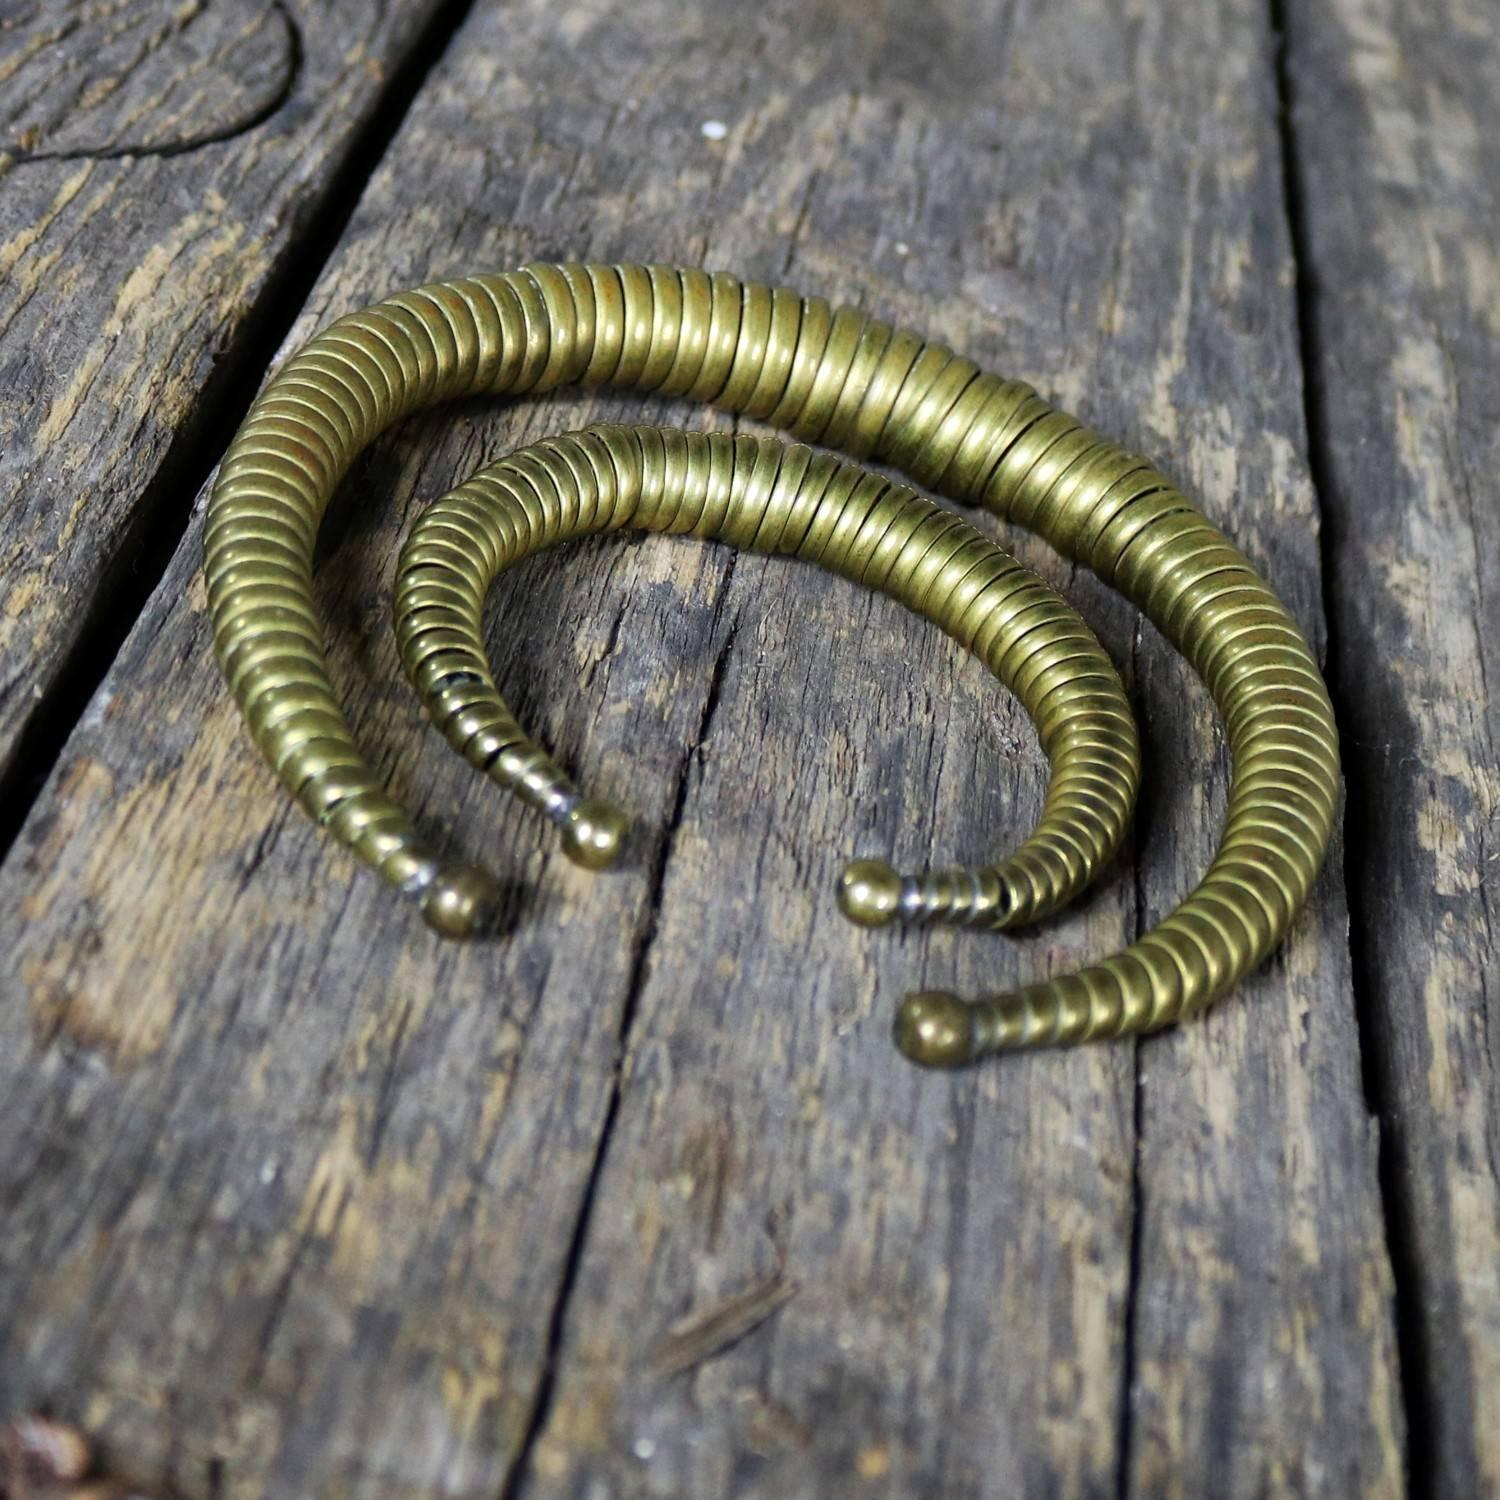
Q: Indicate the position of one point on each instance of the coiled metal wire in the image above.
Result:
(766, 496)
(851, 382)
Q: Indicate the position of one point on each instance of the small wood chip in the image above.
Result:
(706, 1332)
(36, 1450)
(44, 1459)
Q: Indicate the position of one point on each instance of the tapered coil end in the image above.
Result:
(936, 1029)
(460, 901)
(869, 892)
(593, 834)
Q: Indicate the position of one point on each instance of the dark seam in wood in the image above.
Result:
(961, 1103)
(296, 54)
(281, 1293)
(1413, 1362)
(1125, 1439)
(385, 1094)
(520, 1467)
(162, 517)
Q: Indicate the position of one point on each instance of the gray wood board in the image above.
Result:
(159, 166)
(305, 1200)
(1398, 127)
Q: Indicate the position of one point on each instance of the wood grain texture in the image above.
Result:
(302, 1201)
(157, 165)
(116, 77)
(1398, 126)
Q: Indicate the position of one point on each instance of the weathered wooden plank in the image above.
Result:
(962, 1250)
(1398, 132)
(158, 166)
(293, 1190)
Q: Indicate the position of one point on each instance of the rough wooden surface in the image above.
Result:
(1398, 122)
(639, 1201)
(160, 163)
(98, 78)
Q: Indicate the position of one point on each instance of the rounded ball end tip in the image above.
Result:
(936, 1029)
(459, 900)
(594, 833)
(869, 892)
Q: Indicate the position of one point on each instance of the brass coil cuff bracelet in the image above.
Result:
(853, 383)
(766, 496)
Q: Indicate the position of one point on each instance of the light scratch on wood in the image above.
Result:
(707, 1332)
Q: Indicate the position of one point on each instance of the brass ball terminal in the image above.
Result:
(594, 833)
(869, 892)
(936, 1030)
(460, 900)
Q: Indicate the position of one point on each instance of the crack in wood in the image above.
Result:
(519, 1470)
(1413, 1366)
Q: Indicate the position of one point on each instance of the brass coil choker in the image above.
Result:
(835, 377)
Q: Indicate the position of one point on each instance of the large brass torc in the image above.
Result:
(850, 382)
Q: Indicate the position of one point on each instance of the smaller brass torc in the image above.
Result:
(766, 496)
(843, 379)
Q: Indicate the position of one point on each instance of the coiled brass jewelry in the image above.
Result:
(766, 496)
(835, 377)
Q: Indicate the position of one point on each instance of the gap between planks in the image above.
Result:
(1413, 1366)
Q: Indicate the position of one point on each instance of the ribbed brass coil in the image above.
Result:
(766, 496)
(848, 381)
